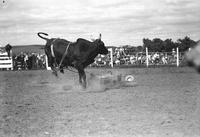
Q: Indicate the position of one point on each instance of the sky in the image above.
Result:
(121, 22)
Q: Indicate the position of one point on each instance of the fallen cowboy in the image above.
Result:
(111, 81)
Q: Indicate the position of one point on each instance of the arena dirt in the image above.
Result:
(161, 102)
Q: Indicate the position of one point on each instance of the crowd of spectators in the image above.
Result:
(121, 57)
(29, 61)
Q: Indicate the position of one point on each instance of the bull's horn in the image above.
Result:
(100, 36)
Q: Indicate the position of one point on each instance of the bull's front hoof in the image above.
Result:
(83, 86)
(62, 71)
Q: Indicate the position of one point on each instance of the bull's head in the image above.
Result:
(101, 46)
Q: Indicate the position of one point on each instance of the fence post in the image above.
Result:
(111, 56)
(177, 57)
(147, 59)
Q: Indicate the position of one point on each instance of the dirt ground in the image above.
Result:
(161, 102)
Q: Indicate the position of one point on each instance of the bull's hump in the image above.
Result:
(83, 40)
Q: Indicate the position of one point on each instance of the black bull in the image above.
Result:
(79, 54)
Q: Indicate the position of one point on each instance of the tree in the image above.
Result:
(147, 43)
(168, 45)
(158, 45)
(185, 44)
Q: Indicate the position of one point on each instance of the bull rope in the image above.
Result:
(64, 55)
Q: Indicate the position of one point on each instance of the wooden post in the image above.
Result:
(147, 59)
(177, 57)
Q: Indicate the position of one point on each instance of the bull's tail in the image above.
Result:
(39, 34)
